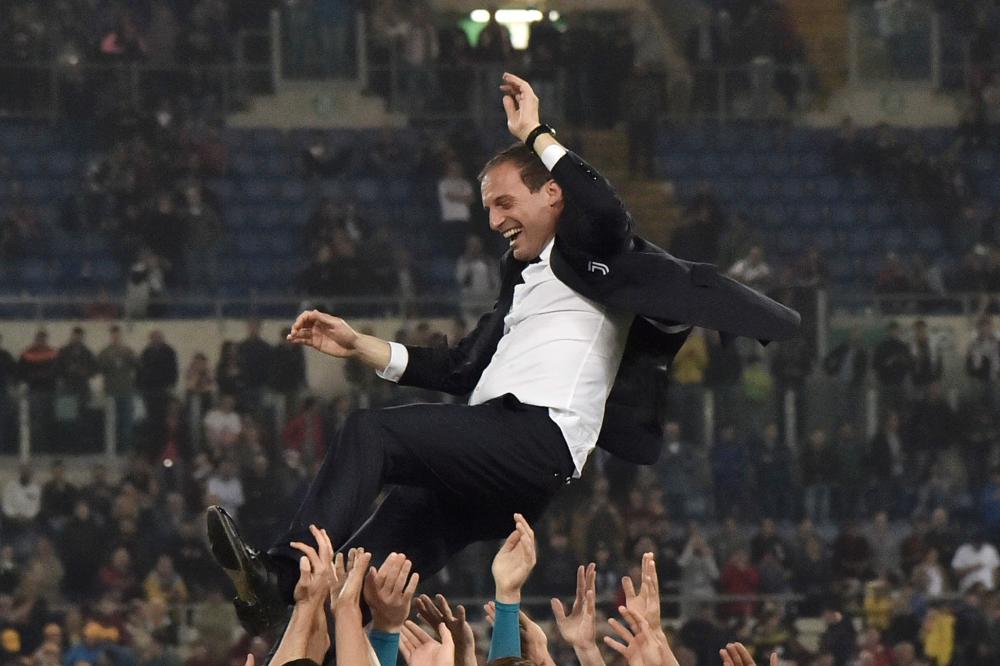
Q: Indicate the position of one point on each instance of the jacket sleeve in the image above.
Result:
(454, 370)
(594, 218)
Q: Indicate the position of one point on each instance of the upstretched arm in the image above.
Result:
(599, 223)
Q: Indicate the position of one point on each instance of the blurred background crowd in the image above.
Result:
(836, 497)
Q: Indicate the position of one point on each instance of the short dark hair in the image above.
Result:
(533, 172)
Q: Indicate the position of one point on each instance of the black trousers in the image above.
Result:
(458, 473)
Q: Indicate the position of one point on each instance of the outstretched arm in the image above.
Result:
(334, 336)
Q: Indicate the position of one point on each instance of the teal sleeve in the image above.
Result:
(506, 641)
(386, 647)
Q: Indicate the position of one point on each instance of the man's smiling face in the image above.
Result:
(526, 219)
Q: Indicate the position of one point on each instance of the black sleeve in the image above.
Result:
(452, 370)
(594, 218)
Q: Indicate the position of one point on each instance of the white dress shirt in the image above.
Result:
(559, 350)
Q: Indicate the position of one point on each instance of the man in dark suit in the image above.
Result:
(570, 358)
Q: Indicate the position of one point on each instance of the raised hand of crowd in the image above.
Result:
(329, 583)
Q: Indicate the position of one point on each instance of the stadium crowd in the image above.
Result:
(896, 533)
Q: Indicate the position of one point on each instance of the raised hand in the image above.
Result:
(521, 105)
(419, 649)
(736, 654)
(389, 594)
(316, 572)
(640, 648)
(249, 661)
(514, 561)
(330, 335)
(348, 601)
(439, 612)
(578, 628)
(647, 601)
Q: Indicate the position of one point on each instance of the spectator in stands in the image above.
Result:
(37, 366)
(893, 278)
(889, 463)
(699, 573)
(164, 584)
(752, 270)
(929, 577)
(927, 361)
(493, 45)
(455, 195)
(702, 225)
(145, 285)
(884, 541)
(57, 499)
(223, 427)
(319, 160)
(848, 364)
(203, 231)
(117, 576)
(819, 471)
(976, 563)
(934, 427)
(982, 362)
(229, 371)
(840, 637)
(124, 43)
(683, 472)
(226, 488)
(304, 432)
(775, 475)
(687, 376)
(739, 576)
(21, 502)
(75, 365)
(82, 545)
(199, 383)
(420, 51)
(767, 540)
(156, 377)
(254, 355)
(852, 554)
(730, 460)
(812, 576)
(117, 365)
(892, 363)
(287, 372)
(478, 277)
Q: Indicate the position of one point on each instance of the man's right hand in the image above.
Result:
(334, 336)
(330, 335)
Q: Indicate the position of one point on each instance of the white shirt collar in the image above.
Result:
(543, 256)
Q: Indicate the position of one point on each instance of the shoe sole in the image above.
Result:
(227, 549)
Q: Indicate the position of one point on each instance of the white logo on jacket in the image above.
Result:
(598, 267)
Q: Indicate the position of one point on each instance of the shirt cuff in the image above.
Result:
(551, 155)
(398, 360)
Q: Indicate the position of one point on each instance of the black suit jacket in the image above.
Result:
(597, 254)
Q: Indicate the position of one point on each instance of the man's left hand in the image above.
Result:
(521, 104)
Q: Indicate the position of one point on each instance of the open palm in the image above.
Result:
(578, 628)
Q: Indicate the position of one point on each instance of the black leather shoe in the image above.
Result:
(259, 605)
